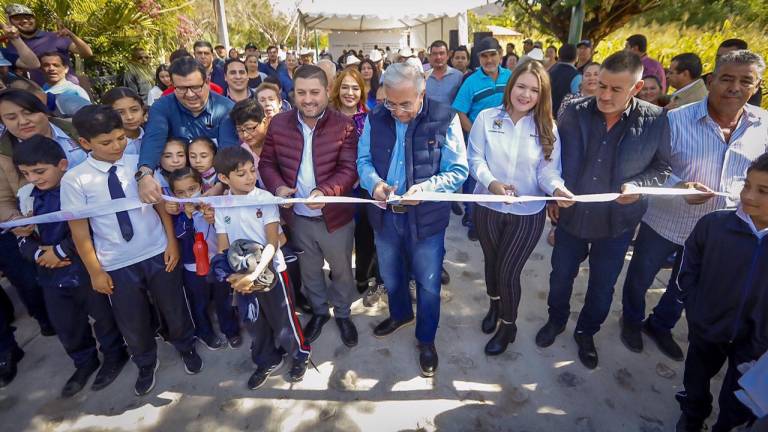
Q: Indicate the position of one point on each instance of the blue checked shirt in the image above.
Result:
(699, 153)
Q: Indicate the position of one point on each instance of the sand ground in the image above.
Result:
(376, 386)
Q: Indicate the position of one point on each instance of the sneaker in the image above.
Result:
(298, 369)
(192, 362)
(145, 382)
(235, 341)
(373, 295)
(261, 374)
(212, 342)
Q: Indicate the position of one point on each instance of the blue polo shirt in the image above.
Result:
(169, 118)
(479, 92)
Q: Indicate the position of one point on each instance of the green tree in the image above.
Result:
(601, 17)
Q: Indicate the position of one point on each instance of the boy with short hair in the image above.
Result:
(274, 327)
(724, 284)
(68, 296)
(128, 254)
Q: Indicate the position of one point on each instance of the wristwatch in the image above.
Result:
(141, 173)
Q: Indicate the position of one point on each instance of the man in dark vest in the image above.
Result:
(411, 144)
(564, 76)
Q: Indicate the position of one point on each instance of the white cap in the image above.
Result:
(375, 56)
(352, 59)
(405, 52)
(306, 52)
(536, 54)
(415, 62)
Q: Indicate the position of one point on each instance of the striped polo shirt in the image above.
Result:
(699, 153)
(480, 92)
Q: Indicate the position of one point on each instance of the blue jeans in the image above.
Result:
(402, 256)
(606, 258)
(650, 252)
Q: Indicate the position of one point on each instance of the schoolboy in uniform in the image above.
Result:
(275, 329)
(129, 253)
(66, 289)
(724, 285)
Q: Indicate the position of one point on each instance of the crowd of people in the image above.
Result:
(550, 122)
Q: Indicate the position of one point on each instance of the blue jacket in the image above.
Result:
(169, 118)
(423, 140)
(281, 73)
(642, 158)
(724, 282)
(57, 235)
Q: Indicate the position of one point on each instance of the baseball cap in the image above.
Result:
(251, 45)
(584, 42)
(487, 44)
(529, 40)
(536, 54)
(352, 59)
(13, 9)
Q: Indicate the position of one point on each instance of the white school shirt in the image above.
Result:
(134, 144)
(247, 223)
(86, 184)
(305, 179)
(510, 153)
(75, 154)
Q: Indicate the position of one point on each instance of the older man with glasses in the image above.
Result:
(193, 111)
(411, 144)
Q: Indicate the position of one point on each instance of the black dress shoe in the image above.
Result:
(298, 369)
(427, 360)
(8, 364)
(348, 331)
(389, 326)
(79, 379)
(472, 235)
(491, 318)
(445, 278)
(547, 334)
(503, 337)
(587, 350)
(109, 371)
(664, 341)
(314, 327)
(631, 337)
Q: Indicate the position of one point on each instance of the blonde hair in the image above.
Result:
(542, 112)
(336, 90)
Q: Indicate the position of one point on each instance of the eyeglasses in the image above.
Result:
(406, 107)
(182, 90)
(247, 130)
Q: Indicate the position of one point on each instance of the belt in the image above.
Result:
(397, 208)
(312, 218)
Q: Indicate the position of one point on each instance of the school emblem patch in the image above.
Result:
(258, 213)
(227, 220)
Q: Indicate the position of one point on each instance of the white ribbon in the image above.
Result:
(223, 201)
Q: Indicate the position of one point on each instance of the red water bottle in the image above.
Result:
(200, 249)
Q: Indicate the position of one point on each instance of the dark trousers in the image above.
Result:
(703, 362)
(365, 249)
(200, 294)
(507, 241)
(7, 341)
(22, 274)
(9, 311)
(69, 309)
(649, 255)
(606, 258)
(403, 257)
(133, 311)
(271, 321)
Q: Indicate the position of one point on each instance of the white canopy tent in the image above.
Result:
(361, 24)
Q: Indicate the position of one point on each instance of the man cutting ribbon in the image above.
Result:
(409, 145)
